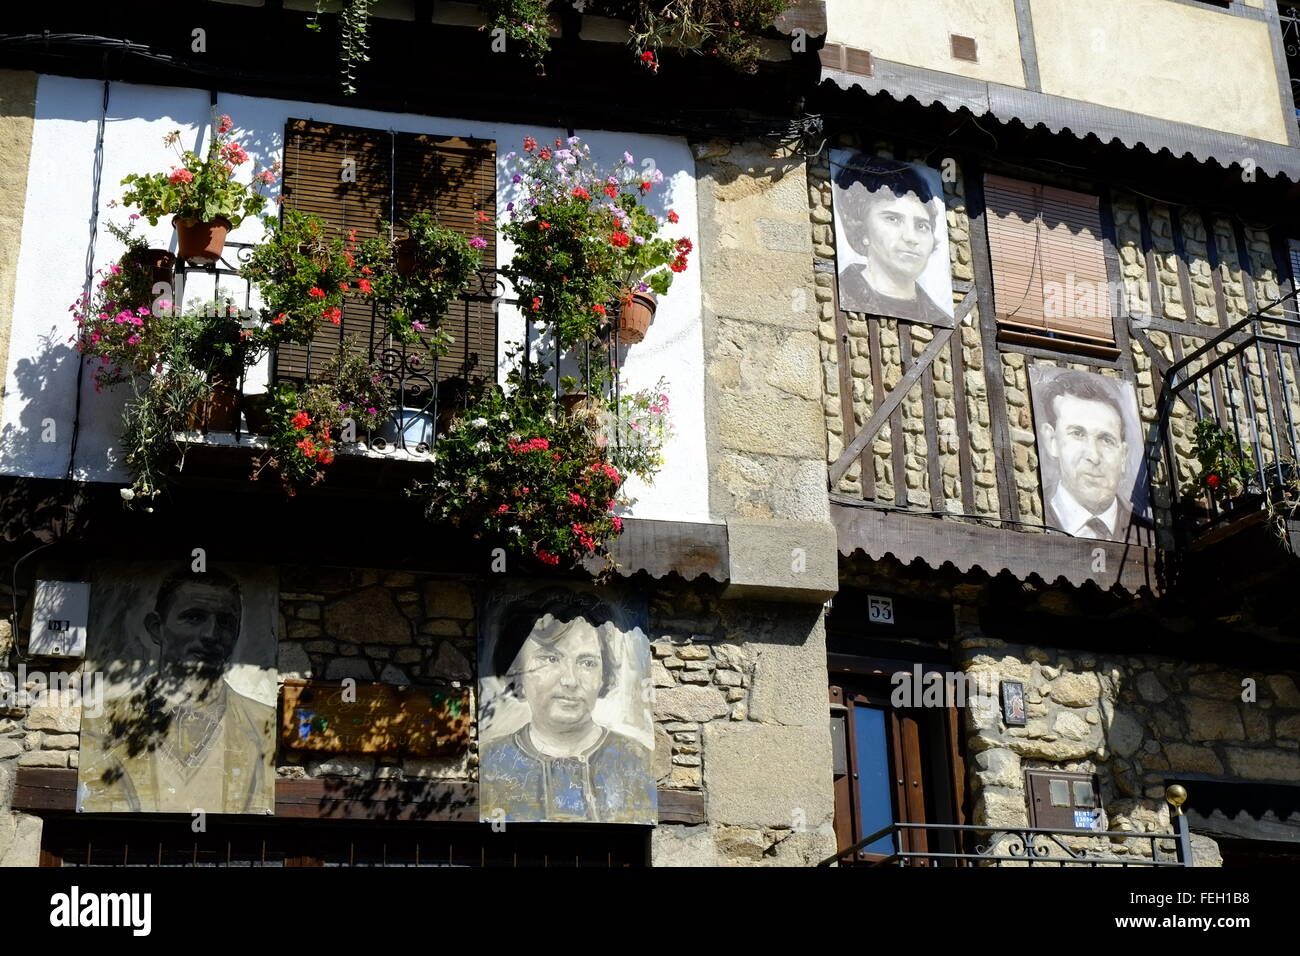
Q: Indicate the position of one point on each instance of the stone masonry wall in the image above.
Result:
(741, 678)
(370, 625)
(17, 117)
(1135, 720)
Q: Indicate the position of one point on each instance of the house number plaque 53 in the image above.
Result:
(880, 610)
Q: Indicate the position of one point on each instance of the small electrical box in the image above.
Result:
(59, 616)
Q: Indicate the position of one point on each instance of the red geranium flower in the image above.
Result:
(300, 421)
(618, 239)
(530, 144)
(1212, 480)
(317, 292)
(543, 224)
(598, 309)
(611, 190)
(673, 217)
(581, 193)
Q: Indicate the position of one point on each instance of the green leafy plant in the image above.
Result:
(160, 406)
(416, 278)
(513, 469)
(583, 240)
(303, 270)
(200, 189)
(307, 425)
(526, 25)
(728, 29)
(641, 427)
(184, 357)
(1224, 468)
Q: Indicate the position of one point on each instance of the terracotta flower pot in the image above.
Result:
(572, 402)
(159, 262)
(219, 413)
(405, 256)
(634, 317)
(201, 242)
(257, 413)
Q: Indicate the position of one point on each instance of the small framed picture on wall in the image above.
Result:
(1013, 703)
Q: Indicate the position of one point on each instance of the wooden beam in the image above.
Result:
(1149, 255)
(961, 413)
(40, 789)
(995, 387)
(897, 436)
(886, 407)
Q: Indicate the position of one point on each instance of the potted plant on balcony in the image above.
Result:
(1223, 470)
(514, 470)
(303, 272)
(638, 426)
(306, 426)
(147, 267)
(201, 194)
(583, 240)
(415, 278)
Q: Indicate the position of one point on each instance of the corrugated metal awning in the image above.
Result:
(849, 68)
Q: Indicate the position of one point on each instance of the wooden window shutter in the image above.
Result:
(1049, 265)
(396, 176)
(343, 175)
(455, 179)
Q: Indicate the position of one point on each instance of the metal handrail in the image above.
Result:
(1226, 375)
(1030, 853)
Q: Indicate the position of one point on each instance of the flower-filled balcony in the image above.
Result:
(312, 348)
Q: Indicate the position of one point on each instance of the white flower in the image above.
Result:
(127, 494)
(482, 446)
(479, 422)
(515, 529)
(503, 417)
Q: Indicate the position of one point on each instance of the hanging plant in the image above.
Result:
(354, 43)
(307, 425)
(516, 471)
(583, 240)
(417, 277)
(303, 270)
(525, 24)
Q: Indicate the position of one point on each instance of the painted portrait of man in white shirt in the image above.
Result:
(1089, 452)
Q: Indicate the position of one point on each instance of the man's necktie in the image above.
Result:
(1097, 527)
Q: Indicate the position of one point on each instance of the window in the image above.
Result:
(1049, 263)
(354, 178)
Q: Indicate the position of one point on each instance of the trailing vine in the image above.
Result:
(354, 43)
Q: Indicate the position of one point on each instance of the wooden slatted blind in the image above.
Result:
(1049, 264)
(355, 178)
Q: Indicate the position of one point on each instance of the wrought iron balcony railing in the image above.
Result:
(1247, 381)
(1018, 846)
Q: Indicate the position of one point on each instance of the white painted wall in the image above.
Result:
(40, 381)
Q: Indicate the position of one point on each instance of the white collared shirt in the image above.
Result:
(1074, 517)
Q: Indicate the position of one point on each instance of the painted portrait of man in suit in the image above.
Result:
(178, 736)
(557, 659)
(1090, 448)
(891, 239)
